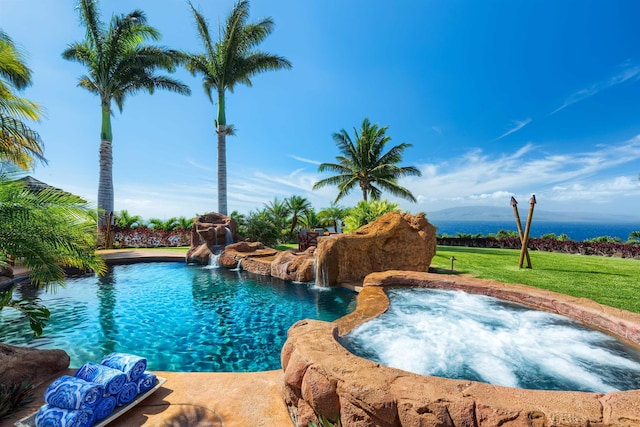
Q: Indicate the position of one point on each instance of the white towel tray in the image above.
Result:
(30, 420)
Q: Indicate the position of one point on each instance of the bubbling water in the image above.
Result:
(474, 337)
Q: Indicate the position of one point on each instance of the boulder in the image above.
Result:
(252, 256)
(294, 266)
(395, 241)
(210, 233)
(18, 364)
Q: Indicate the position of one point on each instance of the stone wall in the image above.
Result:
(321, 378)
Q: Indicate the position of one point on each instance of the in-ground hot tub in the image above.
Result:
(322, 378)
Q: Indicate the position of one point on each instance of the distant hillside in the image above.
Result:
(493, 213)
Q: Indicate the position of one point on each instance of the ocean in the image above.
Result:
(577, 231)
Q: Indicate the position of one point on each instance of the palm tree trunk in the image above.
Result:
(105, 184)
(222, 156)
(364, 195)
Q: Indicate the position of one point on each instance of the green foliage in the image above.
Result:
(634, 238)
(261, 228)
(123, 219)
(364, 164)
(46, 231)
(278, 211)
(167, 225)
(552, 236)
(37, 314)
(310, 219)
(296, 206)
(13, 397)
(604, 239)
(507, 234)
(19, 144)
(241, 222)
(183, 223)
(365, 212)
(332, 216)
(608, 280)
(324, 422)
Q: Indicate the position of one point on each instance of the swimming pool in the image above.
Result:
(180, 317)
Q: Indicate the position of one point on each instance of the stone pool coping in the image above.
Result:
(322, 377)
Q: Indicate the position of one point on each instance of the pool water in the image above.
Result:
(453, 334)
(180, 317)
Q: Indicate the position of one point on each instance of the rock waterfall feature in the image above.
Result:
(395, 241)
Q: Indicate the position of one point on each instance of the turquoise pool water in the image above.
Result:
(180, 317)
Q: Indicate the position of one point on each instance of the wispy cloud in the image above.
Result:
(630, 72)
(437, 129)
(304, 160)
(480, 178)
(517, 125)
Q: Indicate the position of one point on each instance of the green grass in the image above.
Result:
(610, 281)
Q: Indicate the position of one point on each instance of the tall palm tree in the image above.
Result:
(233, 59)
(19, 144)
(297, 206)
(119, 64)
(364, 163)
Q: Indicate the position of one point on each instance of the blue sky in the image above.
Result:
(498, 98)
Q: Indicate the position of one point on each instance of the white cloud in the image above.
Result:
(516, 126)
(477, 178)
(305, 160)
(630, 72)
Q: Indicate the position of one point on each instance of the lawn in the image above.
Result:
(610, 281)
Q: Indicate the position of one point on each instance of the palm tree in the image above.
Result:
(168, 225)
(297, 206)
(124, 220)
(230, 61)
(279, 212)
(119, 64)
(47, 230)
(184, 223)
(364, 163)
(310, 219)
(331, 215)
(19, 144)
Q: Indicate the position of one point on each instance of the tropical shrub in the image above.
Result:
(13, 397)
(260, 227)
(365, 212)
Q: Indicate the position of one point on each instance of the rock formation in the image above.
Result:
(395, 241)
(252, 256)
(210, 233)
(294, 266)
(18, 364)
(322, 378)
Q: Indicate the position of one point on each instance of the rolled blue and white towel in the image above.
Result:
(127, 394)
(111, 379)
(133, 366)
(73, 393)
(146, 382)
(104, 408)
(52, 416)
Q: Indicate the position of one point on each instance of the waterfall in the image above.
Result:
(214, 260)
(228, 236)
(322, 272)
(238, 266)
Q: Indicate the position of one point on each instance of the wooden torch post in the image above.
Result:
(525, 241)
(514, 203)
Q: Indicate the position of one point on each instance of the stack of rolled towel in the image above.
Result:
(94, 392)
